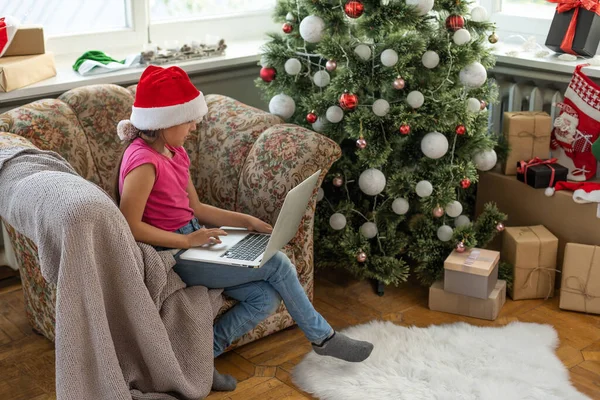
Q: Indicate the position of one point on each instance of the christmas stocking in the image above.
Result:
(8, 28)
(578, 127)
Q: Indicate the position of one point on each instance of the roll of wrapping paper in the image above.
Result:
(528, 135)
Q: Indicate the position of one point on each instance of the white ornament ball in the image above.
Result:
(337, 221)
(430, 59)
(434, 145)
(321, 78)
(290, 17)
(400, 206)
(319, 125)
(293, 66)
(415, 99)
(368, 230)
(444, 233)
(424, 189)
(363, 51)
(473, 105)
(312, 28)
(485, 160)
(282, 105)
(423, 6)
(372, 182)
(463, 220)
(381, 107)
(334, 114)
(473, 75)
(549, 191)
(389, 58)
(479, 14)
(461, 36)
(320, 194)
(453, 209)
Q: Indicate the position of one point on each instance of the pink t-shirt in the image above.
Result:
(168, 206)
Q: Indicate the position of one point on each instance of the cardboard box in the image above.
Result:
(587, 32)
(528, 134)
(532, 251)
(440, 300)
(526, 206)
(541, 176)
(472, 273)
(28, 41)
(17, 72)
(580, 289)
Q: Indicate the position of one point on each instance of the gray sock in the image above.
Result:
(223, 383)
(342, 347)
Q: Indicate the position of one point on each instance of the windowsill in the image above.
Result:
(237, 53)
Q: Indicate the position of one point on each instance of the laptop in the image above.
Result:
(250, 249)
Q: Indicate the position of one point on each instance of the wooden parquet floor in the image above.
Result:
(264, 368)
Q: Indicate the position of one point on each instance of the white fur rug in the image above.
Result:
(445, 362)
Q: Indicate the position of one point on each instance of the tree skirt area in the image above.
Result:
(444, 362)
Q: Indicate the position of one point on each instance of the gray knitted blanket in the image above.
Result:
(126, 325)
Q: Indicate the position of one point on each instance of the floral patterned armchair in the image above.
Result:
(243, 159)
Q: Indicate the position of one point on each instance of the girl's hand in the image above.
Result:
(204, 236)
(255, 224)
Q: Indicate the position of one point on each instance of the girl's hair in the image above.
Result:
(149, 137)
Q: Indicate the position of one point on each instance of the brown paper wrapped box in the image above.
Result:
(580, 288)
(28, 41)
(440, 300)
(532, 252)
(17, 72)
(528, 134)
(472, 273)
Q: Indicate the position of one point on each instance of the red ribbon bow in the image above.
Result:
(567, 5)
(523, 166)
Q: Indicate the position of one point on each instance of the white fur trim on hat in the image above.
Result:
(165, 117)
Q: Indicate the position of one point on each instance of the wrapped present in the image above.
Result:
(532, 252)
(580, 286)
(575, 28)
(540, 173)
(28, 40)
(471, 273)
(440, 300)
(528, 134)
(17, 72)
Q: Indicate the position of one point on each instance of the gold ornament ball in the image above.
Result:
(361, 257)
(438, 212)
(338, 181)
(493, 38)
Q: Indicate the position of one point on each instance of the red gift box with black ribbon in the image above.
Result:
(575, 28)
(540, 173)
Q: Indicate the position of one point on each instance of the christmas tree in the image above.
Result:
(402, 86)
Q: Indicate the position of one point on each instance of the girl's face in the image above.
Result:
(175, 136)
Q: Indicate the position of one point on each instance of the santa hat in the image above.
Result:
(164, 97)
(8, 28)
(583, 192)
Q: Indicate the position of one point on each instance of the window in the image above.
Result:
(169, 10)
(539, 8)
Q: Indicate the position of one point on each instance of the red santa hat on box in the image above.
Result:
(164, 97)
(8, 29)
(583, 192)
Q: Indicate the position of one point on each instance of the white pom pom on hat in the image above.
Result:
(126, 130)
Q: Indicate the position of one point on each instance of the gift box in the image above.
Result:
(532, 252)
(580, 286)
(540, 174)
(574, 28)
(528, 135)
(440, 300)
(20, 71)
(28, 40)
(471, 273)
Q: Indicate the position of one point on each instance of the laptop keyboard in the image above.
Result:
(248, 248)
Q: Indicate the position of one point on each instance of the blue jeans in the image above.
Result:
(259, 292)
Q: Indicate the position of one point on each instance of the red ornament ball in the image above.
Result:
(361, 143)
(500, 227)
(438, 212)
(354, 8)
(338, 181)
(404, 129)
(483, 105)
(311, 117)
(460, 247)
(455, 22)
(348, 101)
(267, 74)
(460, 130)
(287, 27)
(465, 183)
(361, 257)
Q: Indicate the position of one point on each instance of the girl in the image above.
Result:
(158, 199)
